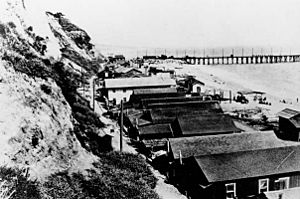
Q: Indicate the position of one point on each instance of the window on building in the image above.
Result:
(113, 90)
(281, 183)
(263, 185)
(124, 90)
(124, 99)
(230, 190)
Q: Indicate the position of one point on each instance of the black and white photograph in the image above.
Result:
(149, 99)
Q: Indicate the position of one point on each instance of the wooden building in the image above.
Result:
(289, 124)
(241, 174)
(122, 88)
(128, 72)
(185, 147)
(203, 124)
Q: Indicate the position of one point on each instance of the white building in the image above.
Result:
(121, 88)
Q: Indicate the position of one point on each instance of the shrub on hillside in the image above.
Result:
(11, 24)
(3, 30)
(33, 67)
(46, 88)
(116, 175)
(17, 180)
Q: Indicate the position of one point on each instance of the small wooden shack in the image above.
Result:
(289, 124)
(241, 174)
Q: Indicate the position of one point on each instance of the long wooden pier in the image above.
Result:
(223, 60)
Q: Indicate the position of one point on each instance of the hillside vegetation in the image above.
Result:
(51, 141)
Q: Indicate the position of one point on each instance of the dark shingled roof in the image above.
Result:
(171, 101)
(288, 113)
(247, 164)
(169, 113)
(147, 91)
(225, 143)
(205, 124)
(156, 130)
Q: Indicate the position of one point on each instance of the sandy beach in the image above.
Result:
(279, 82)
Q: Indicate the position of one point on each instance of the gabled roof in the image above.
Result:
(123, 70)
(156, 129)
(143, 82)
(248, 164)
(288, 113)
(250, 92)
(225, 143)
(172, 101)
(205, 124)
(170, 111)
(154, 91)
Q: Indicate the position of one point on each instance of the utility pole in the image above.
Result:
(93, 97)
(121, 127)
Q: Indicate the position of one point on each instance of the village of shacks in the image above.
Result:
(149, 99)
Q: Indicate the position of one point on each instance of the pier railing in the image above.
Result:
(252, 59)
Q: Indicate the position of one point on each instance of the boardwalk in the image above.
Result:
(253, 59)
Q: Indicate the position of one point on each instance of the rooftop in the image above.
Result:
(172, 101)
(205, 124)
(145, 82)
(122, 69)
(288, 113)
(156, 129)
(248, 164)
(154, 90)
(225, 143)
(169, 111)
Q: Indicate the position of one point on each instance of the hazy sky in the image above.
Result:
(184, 23)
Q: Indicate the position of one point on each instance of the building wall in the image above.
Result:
(248, 187)
(244, 187)
(119, 94)
(196, 88)
(288, 130)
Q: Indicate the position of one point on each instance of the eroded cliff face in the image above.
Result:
(41, 115)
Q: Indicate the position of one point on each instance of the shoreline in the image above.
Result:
(228, 78)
